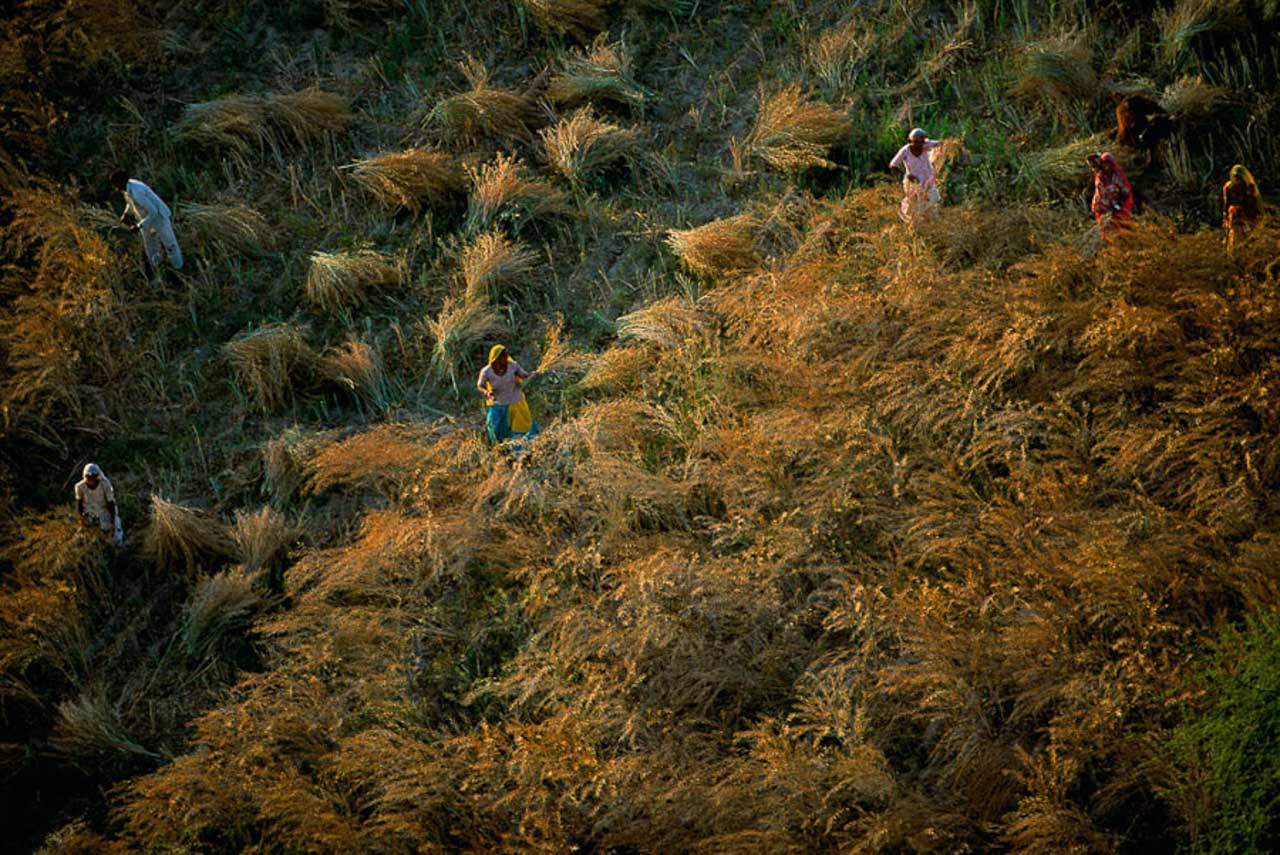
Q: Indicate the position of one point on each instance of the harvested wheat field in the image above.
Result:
(847, 525)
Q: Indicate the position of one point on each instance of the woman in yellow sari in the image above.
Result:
(507, 416)
(1241, 205)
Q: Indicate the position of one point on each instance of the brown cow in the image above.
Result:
(1141, 123)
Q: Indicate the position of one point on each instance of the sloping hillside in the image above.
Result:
(839, 535)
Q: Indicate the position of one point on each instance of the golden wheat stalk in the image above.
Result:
(262, 539)
(492, 260)
(1058, 67)
(579, 19)
(459, 330)
(601, 72)
(183, 537)
(1193, 100)
(226, 230)
(270, 361)
(792, 132)
(718, 247)
(581, 145)
(482, 112)
(357, 366)
(557, 357)
(219, 611)
(504, 187)
(668, 323)
(90, 727)
(410, 179)
(245, 122)
(384, 453)
(339, 280)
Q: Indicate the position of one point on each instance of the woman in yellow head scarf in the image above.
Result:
(1241, 204)
(500, 382)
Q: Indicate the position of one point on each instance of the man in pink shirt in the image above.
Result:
(919, 185)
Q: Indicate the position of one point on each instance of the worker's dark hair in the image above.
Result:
(119, 179)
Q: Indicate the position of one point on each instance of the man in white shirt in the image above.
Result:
(919, 185)
(152, 217)
(96, 503)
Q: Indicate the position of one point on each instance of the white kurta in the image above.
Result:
(155, 222)
(95, 503)
(919, 184)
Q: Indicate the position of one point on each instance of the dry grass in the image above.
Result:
(490, 261)
(483, 112)
(600, 72)
(837, 52)
(718, 248)
(64, 327)
(1181, 24)
(185, 538)
(219, 612)
(1058, 67)
(357, 366)
(792, 132)
(669, 323)
(246, 122)
(385, 455)
(341, 280)
(271, 362)
(58, 571)
(262, 539)
(283, 464)
(1193, 100)
(899, 542)
(924, 593)
(310, 115)
(581, 145)
(89, 730)
(237, 122)
(557, 357)
(1063, 169)
(504, 191)
(579, 19)
(224, 230)
(410, 179)
(459, 332)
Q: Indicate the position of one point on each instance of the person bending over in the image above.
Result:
(152, 218)
(96, 504)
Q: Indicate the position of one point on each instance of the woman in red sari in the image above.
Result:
(1112, 196)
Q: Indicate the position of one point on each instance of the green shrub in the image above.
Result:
(1234, 743)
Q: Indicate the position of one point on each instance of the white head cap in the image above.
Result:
(917, 134)
(91, 469)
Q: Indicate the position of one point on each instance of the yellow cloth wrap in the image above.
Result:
(520, 416)
(496, 351)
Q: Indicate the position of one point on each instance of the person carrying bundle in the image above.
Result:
(508, 416)
(1112, 203)
(152, 218)
(919, 185)
(1241, 205)
(96, 504)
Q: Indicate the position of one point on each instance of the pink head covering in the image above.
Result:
(1109, 159)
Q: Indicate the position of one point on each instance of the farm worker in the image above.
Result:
(152, 217)
(96, 503)
(500, 382)
(1241, 204)
(919, 185)
(1112, 196)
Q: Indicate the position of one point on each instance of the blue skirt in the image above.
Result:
(498, 426)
